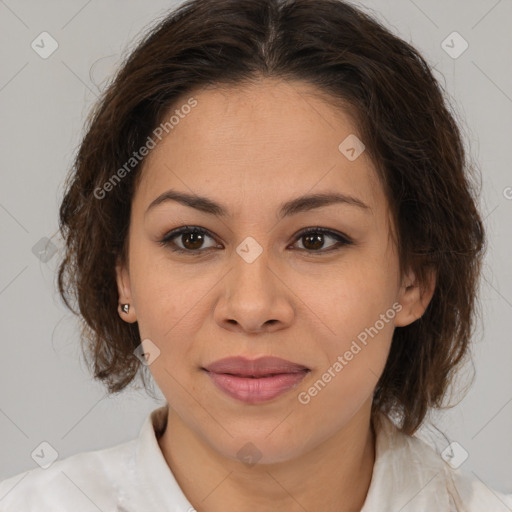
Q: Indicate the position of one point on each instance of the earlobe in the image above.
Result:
(126, 308)
(414, 298)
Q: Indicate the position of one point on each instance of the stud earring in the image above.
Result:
(125, 308)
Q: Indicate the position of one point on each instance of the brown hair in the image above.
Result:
(403, 119)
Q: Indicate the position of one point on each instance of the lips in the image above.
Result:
(255, 381)
(256, 368)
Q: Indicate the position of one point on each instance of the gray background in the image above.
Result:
(46, 393)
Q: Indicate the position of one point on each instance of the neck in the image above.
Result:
(332, 477)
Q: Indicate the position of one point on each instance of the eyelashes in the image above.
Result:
(196, 232)
(196, 236)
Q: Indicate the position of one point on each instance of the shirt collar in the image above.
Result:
(157, 484)
(407, 475)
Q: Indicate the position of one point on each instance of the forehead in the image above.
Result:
(265, 140)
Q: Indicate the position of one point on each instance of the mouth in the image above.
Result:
(258, 376)
(255, 381)
(260, 367)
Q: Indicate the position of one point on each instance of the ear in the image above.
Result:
(125, 293)
(414, 298)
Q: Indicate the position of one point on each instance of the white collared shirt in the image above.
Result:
(408, 476)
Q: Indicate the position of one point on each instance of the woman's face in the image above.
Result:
(252, 285)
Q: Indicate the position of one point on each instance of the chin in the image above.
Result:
(262, 446)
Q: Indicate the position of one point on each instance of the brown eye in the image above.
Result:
(313, 242)
(314, 239)
(191, 239)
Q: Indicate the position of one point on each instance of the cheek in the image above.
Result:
(354, 298)
(359, 306)
(172, 304)
(354, 363)
(164, 293)
(356, 356)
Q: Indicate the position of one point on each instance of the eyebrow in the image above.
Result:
(292, 207)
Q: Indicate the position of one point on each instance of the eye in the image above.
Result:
(314, 238)
(192, 239)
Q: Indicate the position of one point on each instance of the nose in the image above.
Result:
(255, 298)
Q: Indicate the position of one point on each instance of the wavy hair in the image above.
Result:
(402, 115)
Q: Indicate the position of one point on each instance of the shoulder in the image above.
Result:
(410, 474)
(460, 489)
(92, 480)
(474, 494)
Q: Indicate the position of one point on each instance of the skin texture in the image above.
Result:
(251, 148)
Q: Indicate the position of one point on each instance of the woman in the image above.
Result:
(272, 212)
